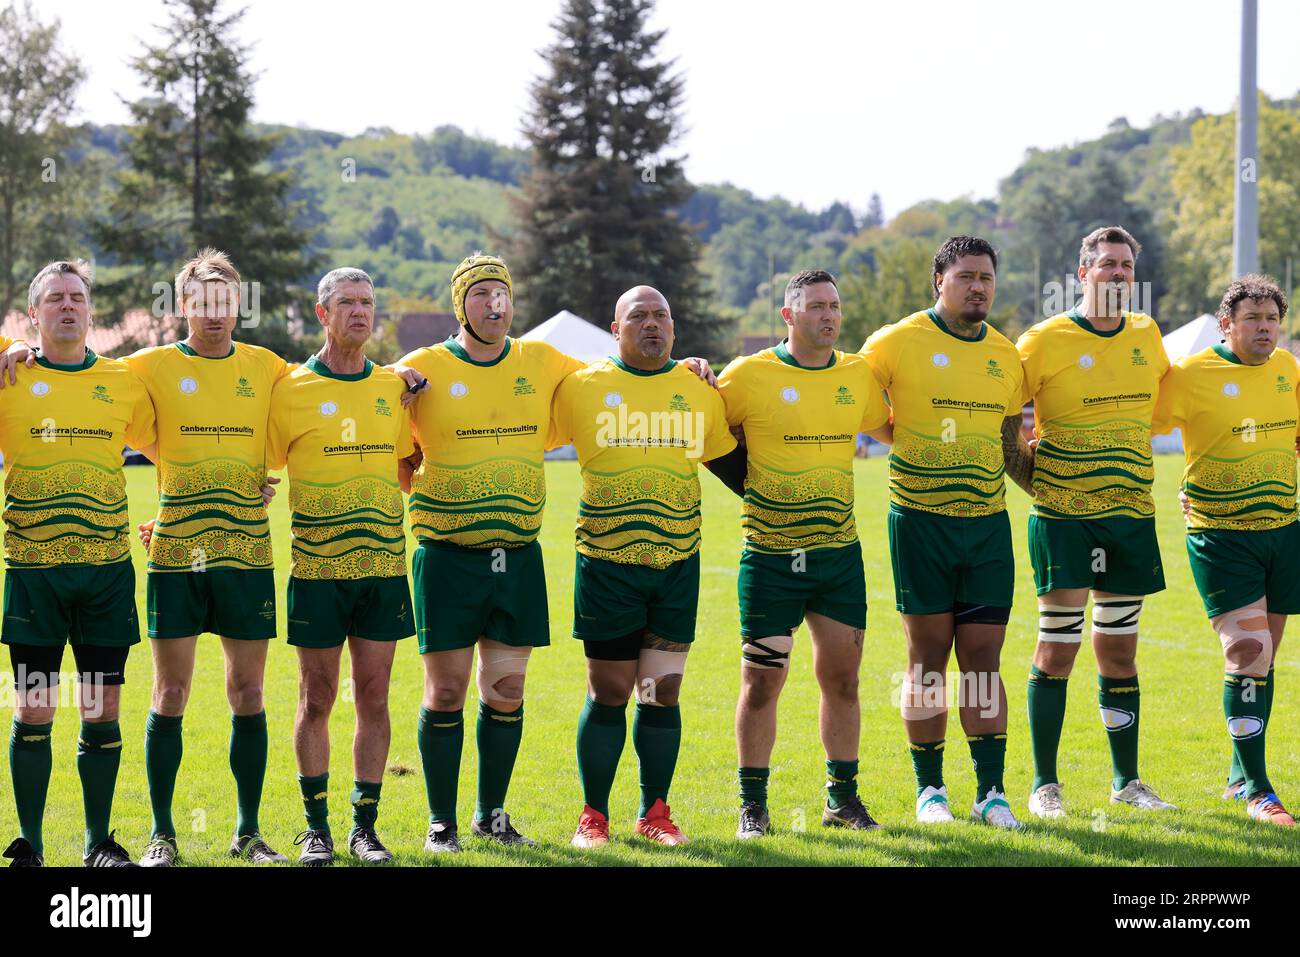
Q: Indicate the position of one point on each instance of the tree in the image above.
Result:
(38, 210)
(875, 213)
(598, 213)
(197, 175)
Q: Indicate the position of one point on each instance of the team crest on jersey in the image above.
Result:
(1138, 358)
(613, 400)
(1085, 361)
(458, 390)
(678, 403)
(1282, 384)
(994, 369)
(382, 407)
(101, 394)
(1116, 719)
(188, 386)
(1231, 390)
(940, 360)
(244, 390)
(790, 395)
(523, 386)
(1245, 727)
(328, 408)
(844, 397)
(40, 388)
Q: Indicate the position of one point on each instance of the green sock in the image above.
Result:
(1121, 706)
(1245, 705)
(315, 800)
(442, 736)
(657, 737)
(163, 745)
(988, 752)
(498, 734)
(248, 743)
(841, 782)
(30, 760)
(927, 763)
(1236, 773)
(99, 754)
(1046, 718)
(753, 786)
(602, 731)
(365, 803)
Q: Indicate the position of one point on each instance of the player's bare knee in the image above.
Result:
(840, 684)
(761, 687)
(170, 699)
(371, 698)
(448, 697)
(34, 714)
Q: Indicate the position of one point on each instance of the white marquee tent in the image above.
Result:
(1201, 333)
(575, 336)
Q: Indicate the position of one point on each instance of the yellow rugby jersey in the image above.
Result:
(1239, 435)
(211, 454)
(640, 438)
(1094, 394)
(341, 435)
(482, 428)
(62, 431)
(949, 397)
(801, 426)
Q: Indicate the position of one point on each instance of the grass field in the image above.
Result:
(1184, 744)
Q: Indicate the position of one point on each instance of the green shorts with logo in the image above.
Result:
(941, 560)
(84, 604)
(1119, 555)
(462, 594)
(1234, 568)
(324, 613)
(232, 603)
(776, 591)
(613, 599)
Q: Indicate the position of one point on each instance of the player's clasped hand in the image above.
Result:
(146, 531)
(416, 384)
(17, 354)
(268, 490)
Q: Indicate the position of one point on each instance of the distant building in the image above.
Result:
(418, 329)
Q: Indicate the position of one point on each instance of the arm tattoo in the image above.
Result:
(1016, 454)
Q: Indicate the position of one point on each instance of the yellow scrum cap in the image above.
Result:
(475, 269)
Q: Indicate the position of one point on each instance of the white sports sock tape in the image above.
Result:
(771, 652)
(1117, 615)
(1060, 623)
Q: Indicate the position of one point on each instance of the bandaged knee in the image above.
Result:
(923, 696)
(497, 665)
(1247, 641)
(1060, 623)
(653, 668)
(1117, 615)
(771, 652)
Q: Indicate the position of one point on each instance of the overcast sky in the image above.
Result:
(814, 100)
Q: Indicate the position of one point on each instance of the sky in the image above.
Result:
(815, 101)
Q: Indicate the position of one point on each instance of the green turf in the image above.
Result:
(1185, 751)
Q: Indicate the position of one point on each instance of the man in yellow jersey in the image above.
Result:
(477, 495)
(642, 424)
(953, 382)
(801, 406)
(68, 571)
(1236, 404)
(338, 422)
(1093, 374)
(210, 565)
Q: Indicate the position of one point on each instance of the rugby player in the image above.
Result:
(954, 383)
(477, 494)
(1236, 404)
(641, 423)
(68, 571)
(210, 564)
(338, 422)
(800, 406)
(1093, 374)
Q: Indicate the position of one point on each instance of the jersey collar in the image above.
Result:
(320, 368)
(938, 321)
(1082, 322)
(456, 349)
(86, 363)
(782, 351)
(627, 368)
(190, 352)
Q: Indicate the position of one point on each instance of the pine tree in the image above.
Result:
(598, 211)
(197, 177)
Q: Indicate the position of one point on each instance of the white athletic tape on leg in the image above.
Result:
(920, 701)
(653, 666)
(1117, 615)
(497, 663)
(767, 653)
(1060, 623)
(1242, 630)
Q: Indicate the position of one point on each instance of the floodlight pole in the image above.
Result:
(1245, 215)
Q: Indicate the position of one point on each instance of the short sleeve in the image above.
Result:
(1016, 400)
(734, 395)
(405, 444)
(875, 411)
(560, 431)
(565, 364)
(1030, 364)
(718, 441)
(280, 368)
(142, 430)
(1171, 402)
(879, 353)
(278, 427)
(5, 343)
